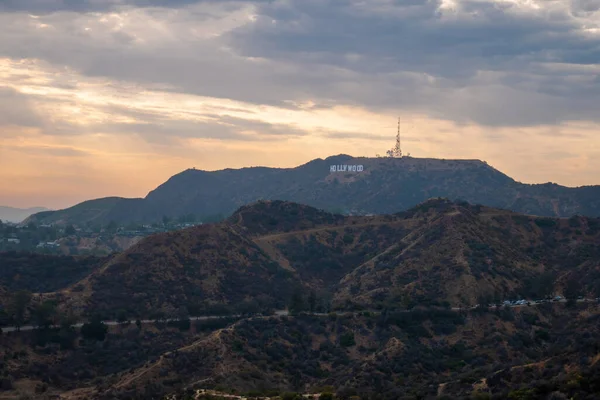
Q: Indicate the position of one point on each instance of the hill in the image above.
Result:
(16, 215)
(44, 273)
(436, 253)
(430, 354)
(92, 211)
(383, 186)
(402, 288)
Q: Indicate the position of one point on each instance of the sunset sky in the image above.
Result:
(112, 97)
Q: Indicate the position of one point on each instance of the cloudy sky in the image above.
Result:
(111, 97)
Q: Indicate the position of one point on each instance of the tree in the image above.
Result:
(138, 323)
(296, 303)
(121, 316)
(20, 301)
(347, 339)
(312, 301)
(112, 227)
(248, 307)
(166, 220)
(70, 230)
(44, 314)
(571, 289)
(66, 321)
(96, 330)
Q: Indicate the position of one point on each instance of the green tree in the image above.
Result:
(70, 230)
(571, 289)
(166, 220)
(122, 316)
(312, 301)
(43, 314)
(112, 227)
(291, 396)
(20, 302)
(138, 323)
(296, 303)
(347, 339)
(67, 320)
(95, 330)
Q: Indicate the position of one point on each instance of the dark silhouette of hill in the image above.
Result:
(386, 185)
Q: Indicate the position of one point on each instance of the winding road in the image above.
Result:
(282, 313)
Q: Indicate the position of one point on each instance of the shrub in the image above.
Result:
(95, 330)
(347, 339)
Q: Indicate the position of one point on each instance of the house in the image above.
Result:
(13, 240)
(48, 245)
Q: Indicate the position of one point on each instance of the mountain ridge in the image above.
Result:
(16, 215)
(440, 251)
(383, 186)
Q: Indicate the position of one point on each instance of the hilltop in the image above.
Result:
(385, 185)
(16, 215)
(440, 251)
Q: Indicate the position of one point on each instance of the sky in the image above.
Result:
(112, 97)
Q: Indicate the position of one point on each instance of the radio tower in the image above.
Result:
(396, 151)
(397, 148)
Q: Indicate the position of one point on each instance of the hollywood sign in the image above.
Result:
(346, 168)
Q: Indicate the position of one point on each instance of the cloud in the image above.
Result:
(479, 61)
(48, 151)
(50, 6)
(421, 56)
(16, 109)
(173, 82)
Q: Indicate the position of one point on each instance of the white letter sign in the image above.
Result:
(346, 168)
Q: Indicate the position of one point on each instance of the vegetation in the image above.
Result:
(402, 288)
(41, 273)
(399, 355)
(398, 185)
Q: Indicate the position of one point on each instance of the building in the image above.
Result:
(48, 245)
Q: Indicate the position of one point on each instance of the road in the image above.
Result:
(113, 323)
(282, 313)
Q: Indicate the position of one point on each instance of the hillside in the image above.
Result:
(428, 354)
(92, 211)
(44, 273)
(385, 185)
(16, 215)
(395, 284)
(437, 252)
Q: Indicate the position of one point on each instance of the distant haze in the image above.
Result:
(17, 215)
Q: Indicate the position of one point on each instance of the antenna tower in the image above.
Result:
(397, 148)
(396, 151)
